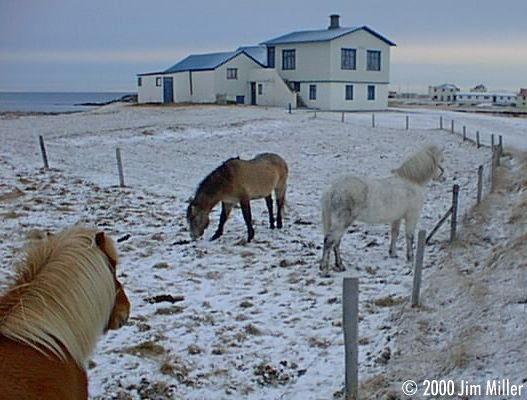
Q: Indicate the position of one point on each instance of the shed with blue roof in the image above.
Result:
(329, 69)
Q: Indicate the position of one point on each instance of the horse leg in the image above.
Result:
(332, 243)
(410, 229)
(394, 233)
(225, 211)
(246, 211)
(269, 203)
(280, 201)
(339, 265)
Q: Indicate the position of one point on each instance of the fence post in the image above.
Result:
(500, 144)
(480, 184)
(315, 115)
(493, 167)
(407, 122)
(418, 267)
(441, 122)
(464, 133)
(342, 118)
(120, 166)
(452, 127)
(492, 142)
(289, 108)
(478, 145)
(43, 151)
(373, 120)
(453, 217)
(350, 323)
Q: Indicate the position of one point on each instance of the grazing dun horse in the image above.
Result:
(239, 181)
(65, 296)
(386, 200)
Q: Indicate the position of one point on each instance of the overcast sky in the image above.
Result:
(100, 45)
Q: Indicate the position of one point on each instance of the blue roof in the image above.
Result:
(322, 35)
(211, 61)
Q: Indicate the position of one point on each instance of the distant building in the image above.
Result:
(521, 99)
(330, 69)
(492, 98)
(443, 93)
(479, 88)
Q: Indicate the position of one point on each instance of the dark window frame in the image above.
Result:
(348, 92)
(348, 59)
(288, 59)
(373, 60)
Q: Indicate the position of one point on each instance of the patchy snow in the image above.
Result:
(229, 319)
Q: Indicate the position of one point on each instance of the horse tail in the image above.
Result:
(326, 211)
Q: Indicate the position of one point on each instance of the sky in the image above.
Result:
(100, 45)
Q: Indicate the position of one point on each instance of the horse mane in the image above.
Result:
(62, 297)
(214, 181)
(420, 167)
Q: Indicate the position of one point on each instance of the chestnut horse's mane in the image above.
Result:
(62, 297)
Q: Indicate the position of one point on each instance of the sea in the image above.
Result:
(55, 102)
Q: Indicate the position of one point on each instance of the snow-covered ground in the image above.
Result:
(235, 320)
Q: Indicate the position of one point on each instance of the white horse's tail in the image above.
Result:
(326, 211)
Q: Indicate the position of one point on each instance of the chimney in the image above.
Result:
(334, 21)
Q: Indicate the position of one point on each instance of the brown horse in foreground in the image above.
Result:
(239, 181)
(65, 296)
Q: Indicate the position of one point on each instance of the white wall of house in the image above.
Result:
(148, 92)
(319, 63)
(274, 91)
(231, 88)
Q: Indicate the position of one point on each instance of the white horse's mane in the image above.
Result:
(421, 167)
(63, 296)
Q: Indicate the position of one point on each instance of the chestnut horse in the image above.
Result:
(65, 296)
(239, 181)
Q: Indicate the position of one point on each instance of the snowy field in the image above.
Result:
(235, 320)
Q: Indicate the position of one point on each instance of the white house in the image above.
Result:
(444, 93)
(330, 69)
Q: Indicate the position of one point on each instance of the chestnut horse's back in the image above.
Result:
(263, 174)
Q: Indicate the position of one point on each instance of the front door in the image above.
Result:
(168, 89)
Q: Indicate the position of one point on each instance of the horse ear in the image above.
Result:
(100, 240)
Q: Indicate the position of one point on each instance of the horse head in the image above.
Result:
(121, 308)
(197, 219)
(436, 153)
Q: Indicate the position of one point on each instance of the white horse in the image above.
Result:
(385, 200)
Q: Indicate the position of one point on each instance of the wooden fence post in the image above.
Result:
(289, 108)
(500, 144)
(452, 127)
(464, 133)
(407, 122)
(350, 323)
(342, 118)
(493, 166)
(421, 238)
(373, 120)
(480, 184)
(43, 151)
(453, 217)
(478, 144)
(492, 142)
(120, 166)
(441, 122)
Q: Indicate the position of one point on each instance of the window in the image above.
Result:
(312, 92)
(371, 92)
(349, 92)
(232, 73)
(139, 81)
(288, 59)
(260, 89)
(294, 86)
(348, 59)
(270, 57)
(158, 82)
(373, 60)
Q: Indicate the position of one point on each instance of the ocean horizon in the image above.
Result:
(55, 102)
